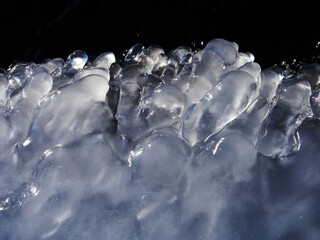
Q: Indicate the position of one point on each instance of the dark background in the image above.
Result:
(273, 31)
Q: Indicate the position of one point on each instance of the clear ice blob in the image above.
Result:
(52, 64)
(186, 145)
(104, 60)
(231, 96)
(25, 103)
(154, 60)
(76, 60)
(278, 136)
(158, 160)
(164, 107)
(132, 80)
(248, 124)
(134, 54)
(56, 122)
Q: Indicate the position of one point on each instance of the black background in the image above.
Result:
(272, 30)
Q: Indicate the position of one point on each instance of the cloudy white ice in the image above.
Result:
(186, 145)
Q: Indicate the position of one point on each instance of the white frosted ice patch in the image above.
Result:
(185, 145)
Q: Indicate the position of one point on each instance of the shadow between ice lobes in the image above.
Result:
(186, 145)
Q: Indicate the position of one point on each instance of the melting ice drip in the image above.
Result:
(189, 145)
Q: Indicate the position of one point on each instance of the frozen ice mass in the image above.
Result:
(186, 145)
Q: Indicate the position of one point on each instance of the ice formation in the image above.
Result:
(189, 145)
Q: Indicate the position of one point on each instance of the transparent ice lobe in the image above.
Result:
(72, 112)
(100, 66)
(278, 136)
(158, 160)
(52, 64)
(178, 58)
(131, 79)
(24, 104)
(217, 58)
(226, 50)
(230, 97)
(248, 124)
(243, 58)
(104, 60)
(164, 107)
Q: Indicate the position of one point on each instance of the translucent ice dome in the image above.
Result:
(181, 146)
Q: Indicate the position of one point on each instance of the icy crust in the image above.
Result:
(189, 145)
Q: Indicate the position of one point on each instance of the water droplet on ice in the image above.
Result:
(77, 60)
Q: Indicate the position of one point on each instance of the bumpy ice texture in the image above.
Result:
(189, 145)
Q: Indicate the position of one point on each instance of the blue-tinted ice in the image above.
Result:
(186, 145)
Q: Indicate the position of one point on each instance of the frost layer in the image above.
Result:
(188, 145)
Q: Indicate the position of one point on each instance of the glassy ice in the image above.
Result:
(185, 145)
